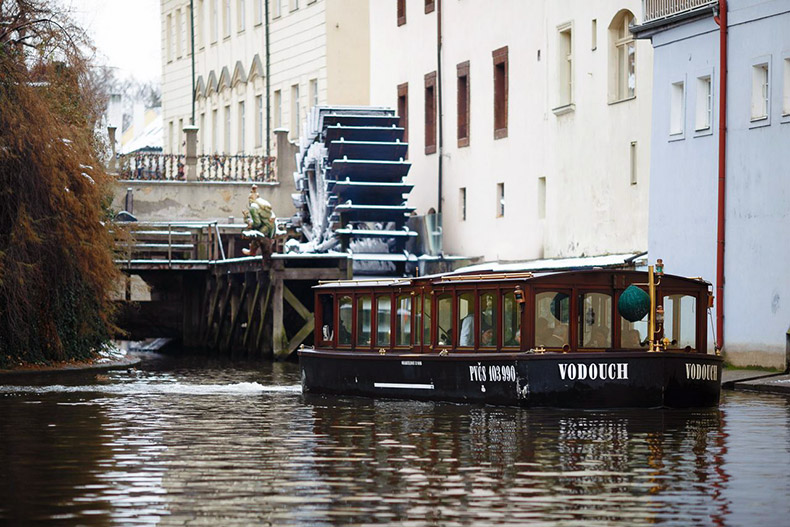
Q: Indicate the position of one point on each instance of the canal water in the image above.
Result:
(202, 442)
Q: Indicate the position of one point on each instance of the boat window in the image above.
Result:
(488, 322)
(466, 319)
(633, 335)
(403, 321)
(383, 318)
(595, 320)
(680, 322)
(511, 321)
(552, 319)
(445, 320)
(345, 313)
(363, 321)
(426, 321)
(326, 317)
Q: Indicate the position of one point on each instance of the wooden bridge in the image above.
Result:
(206, 293)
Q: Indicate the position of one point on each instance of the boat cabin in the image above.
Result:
(579, 311)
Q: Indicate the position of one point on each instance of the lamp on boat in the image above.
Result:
(519, 294)
(660, 267)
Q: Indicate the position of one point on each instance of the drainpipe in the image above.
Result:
(268, 90)
(192, 41)
(721, 20)
(439, 96)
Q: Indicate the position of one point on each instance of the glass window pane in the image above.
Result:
(488, 321)
(680, 322)
(445, 321)
(418, 320)
(426, 319)
(344, 322)
(633, 335)
(466, 319)
(363, 321)
(403, 321)
(511, 321)
(326, 316)
(595, 320)
(383, 317)
(552, 319)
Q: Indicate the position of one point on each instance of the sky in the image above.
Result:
(126, 34)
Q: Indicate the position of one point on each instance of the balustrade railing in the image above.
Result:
(658, 9)
(218, 167)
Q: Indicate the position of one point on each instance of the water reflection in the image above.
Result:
(221, 443)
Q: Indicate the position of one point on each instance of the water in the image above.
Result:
(202, 442)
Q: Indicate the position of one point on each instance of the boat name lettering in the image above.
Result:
(702, 372)
(594, 371)
(411, 363)
(493, 373)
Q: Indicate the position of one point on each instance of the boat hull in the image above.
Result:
(560, 380)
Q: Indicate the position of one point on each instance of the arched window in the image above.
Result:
(622, 57)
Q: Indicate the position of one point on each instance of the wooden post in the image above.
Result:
(279, 338)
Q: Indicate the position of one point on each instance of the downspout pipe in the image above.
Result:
(268, 88)
(439, 97)
(192, 42)
(721, 20)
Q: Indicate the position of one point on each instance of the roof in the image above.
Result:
(557, 264)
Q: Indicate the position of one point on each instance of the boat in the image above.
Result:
(600, 338)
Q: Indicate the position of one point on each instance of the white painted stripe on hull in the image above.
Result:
(403, 385)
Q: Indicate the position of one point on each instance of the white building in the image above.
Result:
(318, 54)
(545, 121)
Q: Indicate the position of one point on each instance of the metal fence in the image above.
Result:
(657, 9)
(219, 167)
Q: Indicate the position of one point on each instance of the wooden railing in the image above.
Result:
(658, 9)
(219, 167)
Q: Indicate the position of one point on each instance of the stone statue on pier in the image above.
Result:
(261, 228)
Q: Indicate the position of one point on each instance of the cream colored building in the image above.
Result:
(545, 119)
(319, 54)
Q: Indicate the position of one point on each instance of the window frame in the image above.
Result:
(430, 113)
(400, 12)
(613, 317)
(463, 113)
(673, 133)
(403, 117)
(758, 121)
(500, 61)
(565, 68)
(704, 103)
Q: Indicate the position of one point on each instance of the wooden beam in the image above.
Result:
(264, 310)
(251, 314)
(301, 334)
(223, 310)
(234, 319)
(279, 337)
(295, 303)
(212, 308)
(322, 273)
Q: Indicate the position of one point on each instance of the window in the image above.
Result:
(680, 322)
(278, 108)
(677, 108)
(199, 40)
(170, 132)
(622, 58)
(429, 6)
(403, 320)
(430, 113)
(444, 324)
(203, 133)
(258, 120)
(179, 30)
(594, 34)
(344, 322)
(500, 92)
(242, 126)
(500, 200)
(258, 11)
(226, 18)
(463, 103)
(426, 320)
(188, 32)
(295, 111)
(552, 319)
(180, 146)
(565, 65)
(383, 319)
(466, 320)
(169, 42)
(403, 109)
(462, 203)
(293, 5)
(214, 20)
(325, 315)
(632, 160)
(277, 8)
(541, 198)
(595, 320)
(704, 106)
(241, 15)
(314, 92)
(214, 125)
(226, 142)
(488, 320)
(633, 335)
(760, 91)
(511, 321)
(401, 12)
(363, 321)
(786, 88)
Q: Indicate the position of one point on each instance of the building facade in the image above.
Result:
(318, 54)
(539, 113)
(685, 163)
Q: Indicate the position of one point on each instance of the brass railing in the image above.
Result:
(658, 9)
(218, 167)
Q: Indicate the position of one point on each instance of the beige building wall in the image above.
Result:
(310, 63)
(564, 167)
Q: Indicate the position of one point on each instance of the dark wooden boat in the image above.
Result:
(581, 339)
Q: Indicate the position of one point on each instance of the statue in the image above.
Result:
(261, 228)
